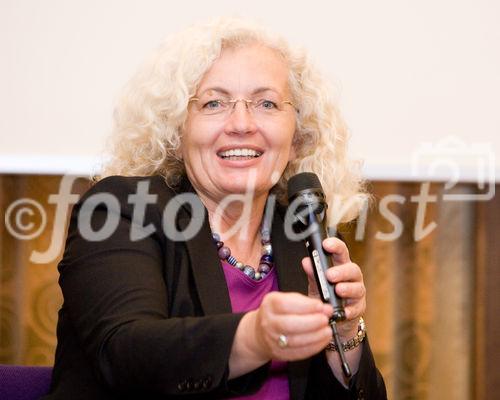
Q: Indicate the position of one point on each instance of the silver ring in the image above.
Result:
(282, 341)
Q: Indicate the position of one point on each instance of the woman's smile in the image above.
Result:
(239, 153)
(240, 124)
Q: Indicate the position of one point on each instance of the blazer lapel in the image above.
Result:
(205, 264)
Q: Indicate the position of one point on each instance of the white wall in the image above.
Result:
(408, 72)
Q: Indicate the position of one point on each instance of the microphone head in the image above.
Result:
(303, 181)
(306, 197)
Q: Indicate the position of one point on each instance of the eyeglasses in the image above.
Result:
(261, 107)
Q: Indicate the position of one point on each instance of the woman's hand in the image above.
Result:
(349, 284)
(302, 319)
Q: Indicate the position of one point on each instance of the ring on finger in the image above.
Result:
(282, 341)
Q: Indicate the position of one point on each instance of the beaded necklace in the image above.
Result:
(266, 260)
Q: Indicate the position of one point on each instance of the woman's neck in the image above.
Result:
(238, 223)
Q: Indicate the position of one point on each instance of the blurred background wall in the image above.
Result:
(433, 304)
(419, 85)
(405, 74)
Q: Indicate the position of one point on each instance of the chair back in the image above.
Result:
(24, 382)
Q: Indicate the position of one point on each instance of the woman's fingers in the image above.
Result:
(303, 321)
(338, 249)
(293, 303)
(349, 272)
(343, 270)
(303, 346)
(350, 290)
(349, 285)
(348, 280)
(332, 245)
(298, 324)
(307, 266)
(355, 308)
(321, 336)
(313, 288)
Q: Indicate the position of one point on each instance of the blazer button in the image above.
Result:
(361, 394)
(207, 382)
(182, 386)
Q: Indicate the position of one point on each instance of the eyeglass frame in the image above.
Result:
(247, 102)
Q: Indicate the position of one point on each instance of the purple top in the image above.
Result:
(246, 294)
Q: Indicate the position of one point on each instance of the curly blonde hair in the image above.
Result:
(153, 107)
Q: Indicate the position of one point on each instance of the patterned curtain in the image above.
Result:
(420, 294)
(428, 314)
(29, 293)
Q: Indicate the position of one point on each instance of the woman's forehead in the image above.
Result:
(249, 69)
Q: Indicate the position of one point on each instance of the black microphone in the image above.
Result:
(308, 202)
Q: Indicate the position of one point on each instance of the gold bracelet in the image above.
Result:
(351, 343)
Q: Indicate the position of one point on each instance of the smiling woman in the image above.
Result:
(154, 105)
(223, 114)
(213, 141)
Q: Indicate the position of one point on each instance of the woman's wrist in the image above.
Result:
(348, 328)
(252, 337)
(246, 354)
(353, 340)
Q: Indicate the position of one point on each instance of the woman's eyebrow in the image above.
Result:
(223, 91)
(216, 89)
(264, 89)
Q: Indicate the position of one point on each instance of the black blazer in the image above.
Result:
(152, 318)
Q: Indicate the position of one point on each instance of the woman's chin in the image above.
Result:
(243, 186)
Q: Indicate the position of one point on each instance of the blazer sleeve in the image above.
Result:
(116, 298)
(366, 384)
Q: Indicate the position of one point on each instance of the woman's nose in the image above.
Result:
(240, 119)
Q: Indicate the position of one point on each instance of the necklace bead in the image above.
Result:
(264, 268)
(266, 260)
(249, 271)
(224, 252)
(267, 249)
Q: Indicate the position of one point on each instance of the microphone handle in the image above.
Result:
(321, 261)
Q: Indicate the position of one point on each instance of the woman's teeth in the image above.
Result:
(238, 154)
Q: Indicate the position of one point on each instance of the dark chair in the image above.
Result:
(24, 382)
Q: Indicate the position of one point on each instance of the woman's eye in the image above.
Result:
(268, 104)
(212, 104)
